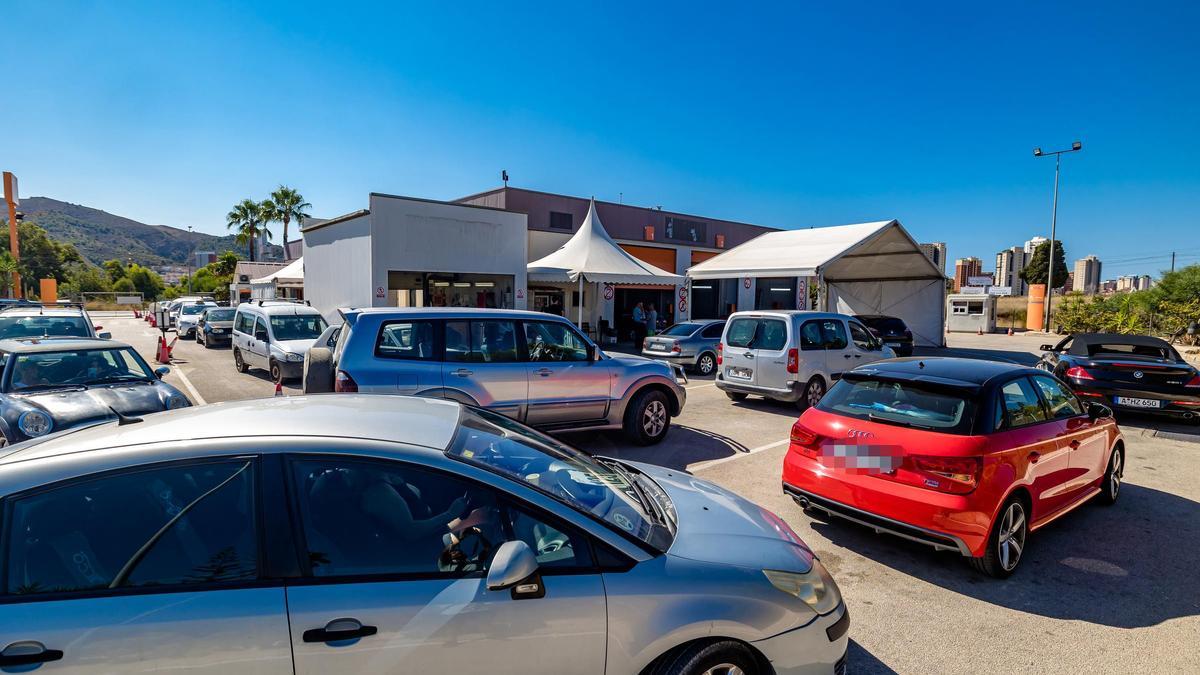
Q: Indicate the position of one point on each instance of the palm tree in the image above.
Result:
(284, 206)
(246, 220)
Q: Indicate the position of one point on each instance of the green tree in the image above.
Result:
(115, 269)
(225, 265)
(1035, 271)
(246, 220)
(41, 256)
(144, 280)
(283, 206)
(1182, 285)
(124, 285)
(86, 279)
(8, 265)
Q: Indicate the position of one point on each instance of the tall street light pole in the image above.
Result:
(192, 254)
(1037, 152)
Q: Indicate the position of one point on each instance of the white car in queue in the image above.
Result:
(381, 534)
(274, 335)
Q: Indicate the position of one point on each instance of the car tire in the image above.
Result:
(814, 391)
(239, 362)
(736, 396)
(1011, 528)
(1110, 487)
(318, 371)
(706, 364)
(712, 657)
(648, 418)
(275, 370)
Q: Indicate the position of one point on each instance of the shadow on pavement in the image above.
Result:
(1129, 565)
(683, 446)
(859, 660)
(1161, 427)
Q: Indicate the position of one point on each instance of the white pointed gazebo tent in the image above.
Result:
(291, 276)
(591, 255)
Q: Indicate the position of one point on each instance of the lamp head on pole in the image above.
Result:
(1077, 145)
(1037, 152)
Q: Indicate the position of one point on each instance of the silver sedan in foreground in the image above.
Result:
(378, 534)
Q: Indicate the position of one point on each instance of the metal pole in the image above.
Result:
(579, 305)
(1053, 225)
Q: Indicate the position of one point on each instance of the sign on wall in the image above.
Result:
(608, 291)
(801, 293)
(979, 281)
(380, 292)
(746, 283)
(1000, 290)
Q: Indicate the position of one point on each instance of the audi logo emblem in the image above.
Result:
(855, 433)
(1137, 374)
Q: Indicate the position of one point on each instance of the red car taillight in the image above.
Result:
(1194, 382)
(956, 475)
(1079, 373)
(720, 349)
(675, 348)
(344, 384)
(804, 439)
(793, 361)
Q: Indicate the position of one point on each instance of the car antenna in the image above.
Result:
(122, 419)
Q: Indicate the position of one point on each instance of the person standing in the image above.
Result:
(651, 319)
(639, 325)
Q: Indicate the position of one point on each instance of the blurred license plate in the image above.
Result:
(658, 348)
(1138, 402)
(892, 344)
(740, 373)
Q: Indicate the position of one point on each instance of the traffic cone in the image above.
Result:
(1010, 333)
(279, 389)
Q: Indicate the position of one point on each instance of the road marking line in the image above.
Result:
(199, 400)
(701, 386)
(713, 462)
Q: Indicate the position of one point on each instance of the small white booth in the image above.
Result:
(867, 268)
(591, 257)
(970, 312)
(283, 283)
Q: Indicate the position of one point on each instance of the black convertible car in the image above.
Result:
(52, 384)
(1129, 372)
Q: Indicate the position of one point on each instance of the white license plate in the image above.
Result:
(1137, 402)
(658, 348)
(739, 373)
(892, 344)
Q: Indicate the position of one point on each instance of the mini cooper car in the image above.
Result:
(963, 455)
(59, 383)
(385, 534)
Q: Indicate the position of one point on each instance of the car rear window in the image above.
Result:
(17, 327)
(901, 403)
(888, 323)
(681, 329)
(1145, 351)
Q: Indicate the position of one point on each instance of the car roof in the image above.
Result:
(277, 308)
(804, 313)
(38, 310)
(963, 373)
(56, 344)
(409, 420)
(449, 312)
(1081, 341)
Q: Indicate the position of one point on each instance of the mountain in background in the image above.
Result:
(100, 236)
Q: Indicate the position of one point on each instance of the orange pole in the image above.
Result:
(15, 247)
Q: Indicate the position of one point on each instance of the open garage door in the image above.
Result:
(919, 302)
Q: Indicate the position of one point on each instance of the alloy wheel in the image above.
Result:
(816, 391)
(725, 669)
(706, 364)
(1118, 470)
(1012, 536)
(654, 418)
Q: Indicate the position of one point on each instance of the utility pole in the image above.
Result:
(13, 199)
(1172, 261)
(192, 254)
(1037, 152)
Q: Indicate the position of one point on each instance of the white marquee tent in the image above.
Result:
(868, 268)
(591, 255)
(291, 276)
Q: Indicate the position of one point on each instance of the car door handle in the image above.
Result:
(545, 372)
(1034, 457)
(339, 629)
(463, 372)
(749, 355)
(858, 356)
(845, 356)
(1074, 444)
(28, 652)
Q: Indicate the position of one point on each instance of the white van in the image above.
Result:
(791, 356)
(274, 335)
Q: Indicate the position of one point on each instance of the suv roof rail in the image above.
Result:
(284, 301)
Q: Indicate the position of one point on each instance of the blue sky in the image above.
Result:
(796, 115)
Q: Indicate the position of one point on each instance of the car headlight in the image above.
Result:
(294, 358)
(177, 402)
(34, 423)
(815, 587)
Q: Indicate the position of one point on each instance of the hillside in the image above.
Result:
(100, 236)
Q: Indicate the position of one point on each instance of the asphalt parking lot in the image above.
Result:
(1103, 590)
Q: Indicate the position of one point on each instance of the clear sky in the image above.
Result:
(796, 115)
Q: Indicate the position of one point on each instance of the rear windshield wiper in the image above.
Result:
(900, 423)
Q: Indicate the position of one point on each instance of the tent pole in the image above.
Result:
(580, 306)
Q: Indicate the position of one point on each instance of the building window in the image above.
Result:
(775, 293)
(561, 221)
(679, 229)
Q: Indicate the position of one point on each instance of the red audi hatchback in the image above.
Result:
(960, 454)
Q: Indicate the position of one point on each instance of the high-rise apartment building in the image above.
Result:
(965, 268)
(1087, 275)
(936, 252)
(1009, 264)
(1032, 244)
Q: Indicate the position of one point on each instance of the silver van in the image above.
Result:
(274, 335)
(792, 356)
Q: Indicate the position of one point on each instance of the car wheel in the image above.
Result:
(715, 658)
(735, 396)
(648, 418)
(706, 364)
(1006, 543)
(814, 391)
(318, 371)
(239, 362)
(1110, 487)
(276, 371)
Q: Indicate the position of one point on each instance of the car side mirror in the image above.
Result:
(512, 567)
(161, 372)
(1047, 348)
(1098, 411)
(262, 337)
(591, 353)
(104, 335)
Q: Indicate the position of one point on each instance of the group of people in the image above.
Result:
(645, 322)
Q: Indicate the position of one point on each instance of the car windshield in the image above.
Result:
(901, 403)
(297, 327)
(42, 370)
(603, 491)
(219, 315)
(681, 329)
(17, 327)
(189, 310)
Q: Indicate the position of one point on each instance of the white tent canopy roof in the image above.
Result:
(292, 275)
(593, 256)
(881, 250)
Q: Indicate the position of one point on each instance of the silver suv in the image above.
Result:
(535, 368)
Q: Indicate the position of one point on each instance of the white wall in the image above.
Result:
(337, 269)
(424, 236)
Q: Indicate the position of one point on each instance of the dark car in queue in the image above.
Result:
(215, 326)
(1128, 372)
(53, 384)
(691, 344)
(891, 331)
